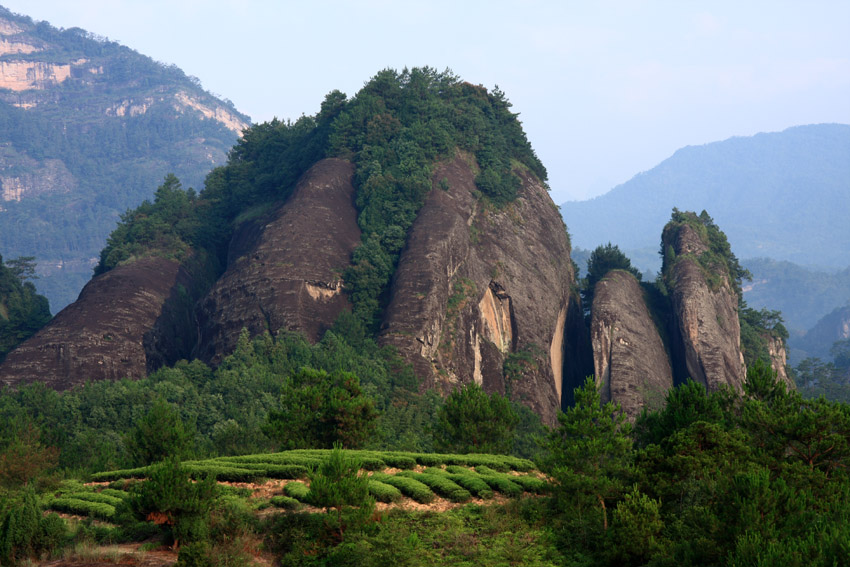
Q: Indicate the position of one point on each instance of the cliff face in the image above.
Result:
(779, 359)
(476, 286)
(706, 326)
(630, 363)
(285, 271)
(125, 324)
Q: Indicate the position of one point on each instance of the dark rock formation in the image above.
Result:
(125, 324)
(285, 270)
(477, 285)
(630, 363)
(706, 327)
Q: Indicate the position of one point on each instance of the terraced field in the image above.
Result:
(280, 480)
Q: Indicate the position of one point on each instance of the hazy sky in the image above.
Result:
(604, 89)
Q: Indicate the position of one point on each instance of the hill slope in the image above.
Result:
(780, 195)
(88, 129)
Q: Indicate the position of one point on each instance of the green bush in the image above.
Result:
(120, 494)
(285, 502)
(403, 462)
(96, 497)
(440, 484)
(501, 483)
(25, 531)
(531, 483)
(121, 474)
(297, 490)
(409, 487)
(80, 507)
(473, 483)
(384, 492)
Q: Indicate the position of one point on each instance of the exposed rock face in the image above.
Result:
(630, 363)
(25, 75)
(125, 324)
(779, 359)
(285, 272)
(22, 176)
(706, 325)
(476, 284)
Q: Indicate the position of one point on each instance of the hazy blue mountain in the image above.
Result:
(782, 195)
(803, 295)
(89, 129)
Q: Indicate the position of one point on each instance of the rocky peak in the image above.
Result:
(477, 285)
(707, 333)
(631, 364)
(285, 269)
(126, 323)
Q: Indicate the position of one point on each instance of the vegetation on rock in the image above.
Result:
(22, 310)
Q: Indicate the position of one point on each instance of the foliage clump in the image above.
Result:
(22, 310)
(473, 421)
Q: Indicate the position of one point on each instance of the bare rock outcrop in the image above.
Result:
(285, 269)
(631, 365)
(126, 323)
(705, 315)
(779, 359)
(477, 285)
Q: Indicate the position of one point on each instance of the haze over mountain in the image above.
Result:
(88, 129)
(781, 195)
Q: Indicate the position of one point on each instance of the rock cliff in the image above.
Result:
(285, 270)
(126, 323)
(706, 332)
(476, 286)
(631, 365)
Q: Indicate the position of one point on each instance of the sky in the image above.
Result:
(604, 89)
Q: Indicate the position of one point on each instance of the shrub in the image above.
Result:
(531, 483)
(409, 487)
(80, 507)
(501, 483)
(440, 484)
(285, 502)
(96, 497)
(474, 484)
(384, 492)
(399, 461)
(297, 490)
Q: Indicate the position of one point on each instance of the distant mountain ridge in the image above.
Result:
(88, 129)
(780, 195)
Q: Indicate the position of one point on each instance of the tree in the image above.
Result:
(319, 409)
(471, 421)
(339, 485)
(25, 458)
(171, 500)
(160, 434)
(590, 454)
(601, 261)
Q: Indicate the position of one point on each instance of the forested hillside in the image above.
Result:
(778, 195)
(88, 129)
